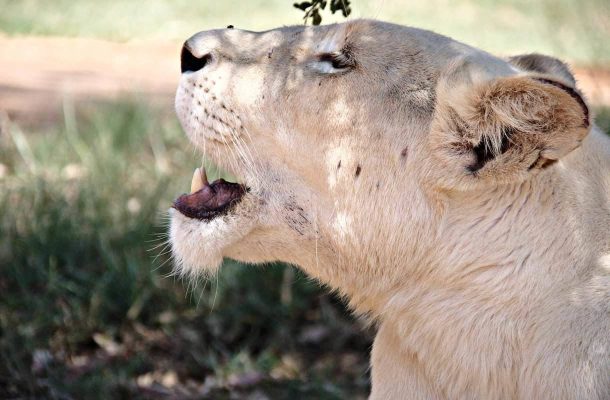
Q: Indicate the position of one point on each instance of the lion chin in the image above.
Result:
(459, 199)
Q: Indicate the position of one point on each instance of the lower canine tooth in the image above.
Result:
(197, 181)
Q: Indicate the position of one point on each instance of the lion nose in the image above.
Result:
(191, 63)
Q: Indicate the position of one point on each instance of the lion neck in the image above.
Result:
(521, 235)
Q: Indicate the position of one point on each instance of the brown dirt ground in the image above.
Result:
(37, 74)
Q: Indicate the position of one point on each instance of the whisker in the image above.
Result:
(164, 243)
(257, 173)
(171, 273)
(163, 252)
(205, 284)
(242, 149)
(215, 293)
(233, 158)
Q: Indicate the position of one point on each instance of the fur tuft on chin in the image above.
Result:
(200, 245)
(196, 246)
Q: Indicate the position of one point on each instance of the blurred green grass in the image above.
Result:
(576, 30)
(87, 307)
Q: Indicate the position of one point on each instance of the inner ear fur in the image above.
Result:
(506, 127)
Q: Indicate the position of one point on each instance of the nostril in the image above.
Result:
(188, 61)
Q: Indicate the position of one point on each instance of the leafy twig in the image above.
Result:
(314, 8)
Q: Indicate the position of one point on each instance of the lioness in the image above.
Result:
(459, 199)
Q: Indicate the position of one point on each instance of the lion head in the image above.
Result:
(349, 143)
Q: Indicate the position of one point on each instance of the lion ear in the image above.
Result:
(504, 128)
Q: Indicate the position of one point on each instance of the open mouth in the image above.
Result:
(209, 200)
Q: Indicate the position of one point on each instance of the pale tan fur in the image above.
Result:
(459, 200)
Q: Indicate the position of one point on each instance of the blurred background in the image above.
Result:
(91, 156)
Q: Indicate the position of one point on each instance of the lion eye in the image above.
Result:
(329, 63)
(337, 60)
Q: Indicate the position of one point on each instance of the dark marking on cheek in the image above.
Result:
(377, 185)
(296, 217)
(339, 165)
(358, 170)
(404, 152)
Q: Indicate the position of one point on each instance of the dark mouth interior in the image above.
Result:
(212, 200)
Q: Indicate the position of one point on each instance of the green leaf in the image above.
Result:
(302, 6)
